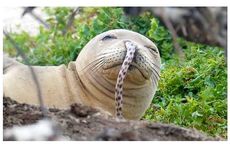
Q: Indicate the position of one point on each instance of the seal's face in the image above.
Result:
(110, 50)
(146, 61)
(103, 56)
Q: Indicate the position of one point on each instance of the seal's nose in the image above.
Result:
(131, 43)
(137, 55)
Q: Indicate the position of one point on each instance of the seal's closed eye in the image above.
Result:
(152, 49)
(107, 37)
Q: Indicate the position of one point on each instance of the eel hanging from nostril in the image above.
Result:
(131, 48)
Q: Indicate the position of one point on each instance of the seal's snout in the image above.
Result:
(136, 48)
(139, 58)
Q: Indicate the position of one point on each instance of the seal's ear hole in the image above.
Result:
(108, 37)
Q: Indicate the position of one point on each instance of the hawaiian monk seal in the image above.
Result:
(93, 79)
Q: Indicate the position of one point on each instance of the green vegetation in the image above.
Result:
(192, 93)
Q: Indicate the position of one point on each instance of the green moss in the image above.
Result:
(191, 93)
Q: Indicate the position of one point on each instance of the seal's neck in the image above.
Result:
(76, 87)
(82, 89)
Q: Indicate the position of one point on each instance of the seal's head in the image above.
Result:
(100, 61)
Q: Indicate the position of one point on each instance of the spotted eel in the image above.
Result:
(131, 48)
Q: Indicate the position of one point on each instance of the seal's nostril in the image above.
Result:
(130, 43)
(125, 41)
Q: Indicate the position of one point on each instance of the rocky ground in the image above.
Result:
(85, 123)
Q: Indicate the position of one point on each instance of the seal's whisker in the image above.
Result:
(155, 73)
(95, 69)
(110, 52)
(156, 65)
(152, 67)
(151, 63)
(98, 65)
(153, 78)
(107, 55)
(93, 63)
(100, 58)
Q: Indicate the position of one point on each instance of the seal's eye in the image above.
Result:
(107, 37)
(152, 49)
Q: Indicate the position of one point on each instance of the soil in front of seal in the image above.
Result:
(86, 123)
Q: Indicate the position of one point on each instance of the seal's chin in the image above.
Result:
(134, 74)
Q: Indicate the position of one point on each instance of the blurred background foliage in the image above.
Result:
(192, 92)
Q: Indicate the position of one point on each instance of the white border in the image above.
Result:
(115, 3)
(107, 147)
(115, 147)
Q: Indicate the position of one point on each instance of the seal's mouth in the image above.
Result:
(133, 66)
(142, 71)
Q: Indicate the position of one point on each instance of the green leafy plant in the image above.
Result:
(161, 36)
(192, 93)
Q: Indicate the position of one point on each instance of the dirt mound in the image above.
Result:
(85, 123)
